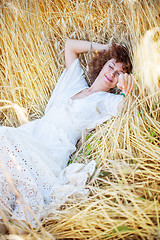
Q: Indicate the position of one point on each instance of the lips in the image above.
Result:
(108, 78)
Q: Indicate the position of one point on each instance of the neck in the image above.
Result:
(97, 87)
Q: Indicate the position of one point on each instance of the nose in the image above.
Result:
(112, 74)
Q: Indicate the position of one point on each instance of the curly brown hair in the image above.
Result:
(118, 52)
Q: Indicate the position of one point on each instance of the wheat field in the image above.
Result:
(124, 200)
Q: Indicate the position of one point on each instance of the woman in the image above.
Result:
(34, 156)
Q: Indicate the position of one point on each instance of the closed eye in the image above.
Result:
(110, 66)
(118, 73)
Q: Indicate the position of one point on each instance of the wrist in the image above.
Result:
(98, 47)
(121, 93)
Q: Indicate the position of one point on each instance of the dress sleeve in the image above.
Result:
(67, 80)
(109, 108)
(111, 103)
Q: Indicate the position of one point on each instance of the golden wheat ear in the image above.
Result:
(21, 114)
(147, 60)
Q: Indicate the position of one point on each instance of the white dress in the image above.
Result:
(34, 156)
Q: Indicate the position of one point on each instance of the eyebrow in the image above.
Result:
(115, 65)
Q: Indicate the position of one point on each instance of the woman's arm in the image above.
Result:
(74, 47)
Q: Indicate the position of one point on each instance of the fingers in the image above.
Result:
(126, 83)
(131, 84)
(119, 84)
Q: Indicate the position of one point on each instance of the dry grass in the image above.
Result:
(124, 199)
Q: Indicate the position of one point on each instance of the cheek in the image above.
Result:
(105, 69)
(117, 79)
(114, 83)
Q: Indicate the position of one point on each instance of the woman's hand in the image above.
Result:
(126, 83)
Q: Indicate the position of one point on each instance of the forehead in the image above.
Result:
(118, 65)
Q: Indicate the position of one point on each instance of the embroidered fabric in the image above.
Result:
(34, 176)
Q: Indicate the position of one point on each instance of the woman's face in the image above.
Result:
(110, 73)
